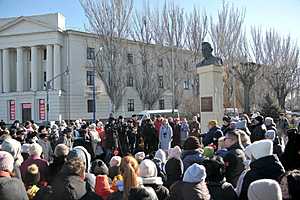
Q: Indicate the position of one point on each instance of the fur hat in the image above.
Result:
(6, 161)
(35, 149)
(61, 150)
(83, 154)
(194, 174)
(115, 161)
(264, 189)
(175, 152)
(260, 149)
(191, 143)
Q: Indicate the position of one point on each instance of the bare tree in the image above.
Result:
(109, 20)
(281, 58)
(225, 34)
(146, 74)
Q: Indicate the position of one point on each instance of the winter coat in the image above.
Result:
(165, 137)
(195, 129)
(184, 131)
(157, 125)
(41, 163)
(95, 140)
(190, 157)
(268, 167)
(176, 135)
(155, 182)
(142, 193)
(212, 136)
(47, 149)
(55, 167)
(234, 162)
(12, 189)
(258, 132)
(174, 171)
(291, 157)
(221, 191)
(148, 134)
(189, 191)
(111, 136)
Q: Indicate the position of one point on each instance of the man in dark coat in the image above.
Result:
(150, 139)
(258, 129)
(264, 165)
(234, 158)
(214, 133)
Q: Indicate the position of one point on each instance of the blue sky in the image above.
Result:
(283, 15)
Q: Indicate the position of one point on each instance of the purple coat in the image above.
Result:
(41, 163)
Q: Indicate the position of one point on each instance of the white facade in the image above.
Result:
(36, 49)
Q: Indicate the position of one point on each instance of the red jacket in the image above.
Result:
(157, 125)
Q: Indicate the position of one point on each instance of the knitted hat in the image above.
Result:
(102, 187)
(208, 152)
(161, 155)
(61, 150)
(264, 189)
(148, 169)
(6, 161)
(139, 156)
(99, 167)
(194, 174)
(32, 175)
(83, 154)
(260, 149)
(35, 149)
(115, 161)
(175, 152)
(191, 143)
(270, 134)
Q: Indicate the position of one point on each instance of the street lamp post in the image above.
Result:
(48, 86)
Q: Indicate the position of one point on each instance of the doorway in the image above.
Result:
(26, 112)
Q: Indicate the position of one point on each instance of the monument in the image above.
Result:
(210, 72)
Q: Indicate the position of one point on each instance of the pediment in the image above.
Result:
(23, 25)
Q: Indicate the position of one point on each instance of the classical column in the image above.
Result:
(49, 64)
(1, 74)
(57, 66)
(20, 69)
(6, 71)
(34, 68)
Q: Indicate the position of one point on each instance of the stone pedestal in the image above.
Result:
(210, 94)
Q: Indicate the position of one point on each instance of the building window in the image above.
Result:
(45, 54)
(90, 105)
(161, 104)
(90, 78)
(45, 76)
(160, 62)
(29, 55)
(129, 58)
(130, 81)
(90, 53)
(186, 65)
(161, 81)
(130, 105)
(186, 84)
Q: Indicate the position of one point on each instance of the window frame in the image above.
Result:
(161, 104)
(129, 58)
(161, 81)
(90, 105)
(90, 78)
(130, 105)
(90, 51)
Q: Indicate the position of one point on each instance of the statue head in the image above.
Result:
(206, 49)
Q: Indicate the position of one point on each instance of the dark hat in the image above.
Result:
(99, 167)
(120, 117)
(226, 119)
(259, 118)
(191, 143)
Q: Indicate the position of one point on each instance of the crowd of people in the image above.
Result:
(244, 158)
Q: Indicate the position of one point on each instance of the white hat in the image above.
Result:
(13, 147)
(139, 156)
(161, 155)
(6, 161)
(35, 149)
(148, 169)
(260, 149)
(115, 161)
(175, 152)
(194, 174)
(264, 189)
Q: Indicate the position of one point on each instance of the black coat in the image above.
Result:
(212, 136)
(161, 191)
(258, 132)
(12, 189)
(268, 167)
(234, 160)
(174, 171)
(221, 191)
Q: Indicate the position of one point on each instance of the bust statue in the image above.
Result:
(209, 59)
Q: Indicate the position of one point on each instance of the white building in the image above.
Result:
(35, 49)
